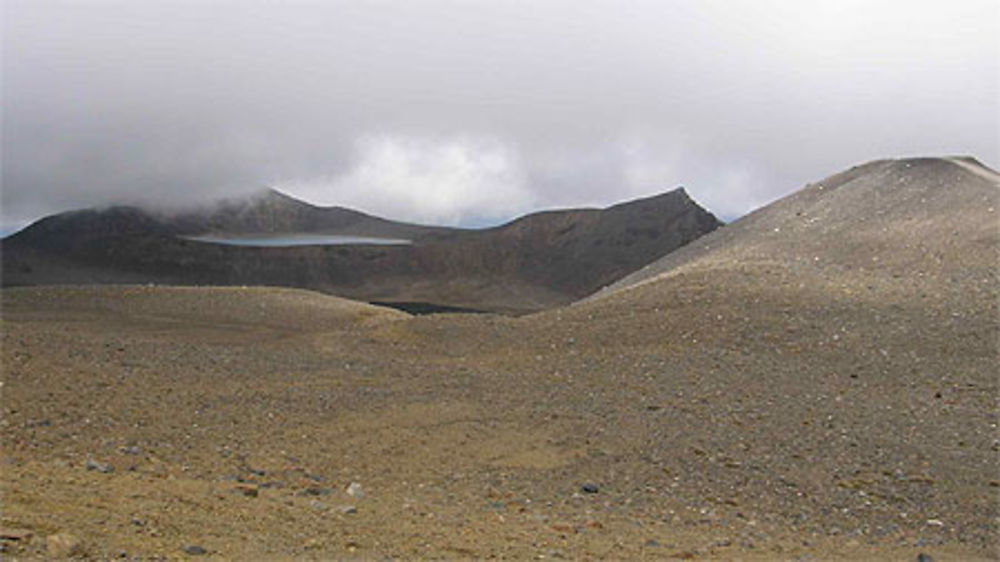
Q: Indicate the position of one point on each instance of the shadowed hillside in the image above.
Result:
(535, 262)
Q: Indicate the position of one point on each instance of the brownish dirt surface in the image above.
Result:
(754, 404)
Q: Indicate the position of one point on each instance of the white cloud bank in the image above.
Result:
(437, 110)
(444, 181)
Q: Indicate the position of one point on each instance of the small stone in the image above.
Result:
(935, 523)
(355, 490)
(313, 491)
(348, 509)
(17, 535)
(63, 545)
(318, 505)
(564, 528)
(313, 543)
(651, 543)
(194, 550)
(248, 490)
(103, 468)
(590, 488)
(924, 557)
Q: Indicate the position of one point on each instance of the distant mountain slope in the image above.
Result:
(889, 269)
(534, 262)
(917, 217)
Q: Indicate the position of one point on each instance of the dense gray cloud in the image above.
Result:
(471, 112)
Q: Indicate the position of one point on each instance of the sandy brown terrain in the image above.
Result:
(804, 390)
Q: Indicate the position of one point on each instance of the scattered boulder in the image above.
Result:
(63, 545)
(15, 535)
(248, 490)
(590, 488)
(13, 539)
(355, 490)
(314, 491)
(103, 468)
(194, 550)
(313, 543)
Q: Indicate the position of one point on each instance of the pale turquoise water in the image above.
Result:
(298, 240)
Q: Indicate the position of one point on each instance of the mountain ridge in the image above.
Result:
(535, 261)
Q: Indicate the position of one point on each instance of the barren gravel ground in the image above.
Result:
(759, 404)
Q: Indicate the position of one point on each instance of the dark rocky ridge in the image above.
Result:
(535, 262)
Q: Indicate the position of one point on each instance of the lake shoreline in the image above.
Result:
(290, 240)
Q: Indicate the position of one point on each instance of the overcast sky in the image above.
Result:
(477, 111)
